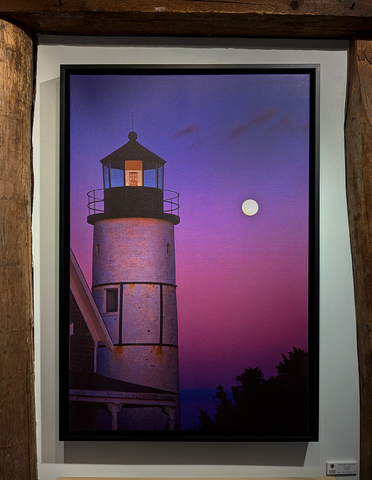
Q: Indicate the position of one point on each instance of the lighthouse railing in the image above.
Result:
(96, 201)
(171, 203)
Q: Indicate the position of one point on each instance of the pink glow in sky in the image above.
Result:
(241, 281)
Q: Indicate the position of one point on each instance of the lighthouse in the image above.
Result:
(134, 281)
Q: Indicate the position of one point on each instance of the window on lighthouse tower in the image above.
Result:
(112, 300)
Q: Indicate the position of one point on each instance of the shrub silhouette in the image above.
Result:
(259, 405)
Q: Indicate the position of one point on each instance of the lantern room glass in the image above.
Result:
(116, 174)
(106, 175)
(149, 178)
(160, 172)
(133, 173)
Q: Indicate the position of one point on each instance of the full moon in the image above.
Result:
(250, 207)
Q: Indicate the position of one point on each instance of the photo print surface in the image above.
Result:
(189, 253)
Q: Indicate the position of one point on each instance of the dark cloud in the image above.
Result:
(191, 129)
(288, 124)
(197, 144)
(257, 121)
(285, 122)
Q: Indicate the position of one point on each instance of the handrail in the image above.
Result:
(173, 202)
(96, 205)
(94, 200)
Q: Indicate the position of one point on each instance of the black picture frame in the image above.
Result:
(81, 393)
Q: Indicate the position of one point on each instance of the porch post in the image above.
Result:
(169, 411)
(114, 409)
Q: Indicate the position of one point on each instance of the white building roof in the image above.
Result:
(87, 305)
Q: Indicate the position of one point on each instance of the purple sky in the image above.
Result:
(242, 281)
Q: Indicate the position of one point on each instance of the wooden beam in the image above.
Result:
(253, 18)
(358, 142)
(226, 478)
(17, 403)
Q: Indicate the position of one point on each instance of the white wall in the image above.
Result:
(339, 418)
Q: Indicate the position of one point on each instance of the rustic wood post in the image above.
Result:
(358, 142)
(17, 403)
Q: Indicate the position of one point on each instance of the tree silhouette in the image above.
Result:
(257, 405)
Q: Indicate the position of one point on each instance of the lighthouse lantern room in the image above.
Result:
(133, 181)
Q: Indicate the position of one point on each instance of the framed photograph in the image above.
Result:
(189, 253)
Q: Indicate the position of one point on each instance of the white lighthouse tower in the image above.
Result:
(134, 283)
